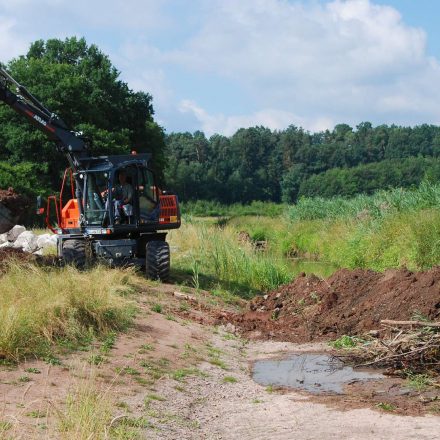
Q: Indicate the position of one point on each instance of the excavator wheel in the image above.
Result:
(74, 253)
(157, 264)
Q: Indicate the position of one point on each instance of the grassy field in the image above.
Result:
(390, 229)
(42, 308)
(46, 312)
(209, 256)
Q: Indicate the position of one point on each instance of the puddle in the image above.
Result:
(316, 373)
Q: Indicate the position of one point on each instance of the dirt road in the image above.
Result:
(171, 377)
(212, 408)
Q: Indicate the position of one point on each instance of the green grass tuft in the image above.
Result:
(41, 307)
(230, 379)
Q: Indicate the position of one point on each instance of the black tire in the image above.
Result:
(157, 260)
(74, 253)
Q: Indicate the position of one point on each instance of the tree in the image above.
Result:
(78, 82)
(291, 183)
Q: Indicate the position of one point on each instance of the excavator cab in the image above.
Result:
(117, 193)
(124, 197)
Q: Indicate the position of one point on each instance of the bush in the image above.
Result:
(42, 306)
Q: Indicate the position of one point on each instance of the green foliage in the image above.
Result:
(388, 229)
(346, 342)
(257, 164)
(230, 379)
(181, 374)
(25, 177)
(5, 426)
(157, 308)
(419, 382)
(384, 406)
(370, 177)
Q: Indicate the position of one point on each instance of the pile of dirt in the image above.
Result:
(350, 302)
(13, 208)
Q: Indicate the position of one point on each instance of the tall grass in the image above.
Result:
(217, 255)
(88, 414)
(43, 306)
(209, 208)
(378, 205)
(398, 228)
(390, 229)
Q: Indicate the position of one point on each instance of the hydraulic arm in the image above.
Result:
(25, 104)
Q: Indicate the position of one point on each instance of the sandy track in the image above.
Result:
(202, 405)
(212, 409)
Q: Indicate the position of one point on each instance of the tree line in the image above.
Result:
(79, 82)
(284, 165)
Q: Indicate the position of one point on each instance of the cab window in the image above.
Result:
(148, 197)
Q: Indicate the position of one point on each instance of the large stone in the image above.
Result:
(5, 245)
(13, 234)
(27, 241)
(45, 241)
(3, 238)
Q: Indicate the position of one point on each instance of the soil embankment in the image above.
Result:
(349, 302)
(12, 208)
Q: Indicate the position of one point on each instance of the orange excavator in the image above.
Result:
(109, 208)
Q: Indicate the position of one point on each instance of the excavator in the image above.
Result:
(109, 208)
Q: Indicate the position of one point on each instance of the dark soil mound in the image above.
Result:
(13, 208)
(348, 302)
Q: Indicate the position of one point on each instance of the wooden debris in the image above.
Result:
(404, 349)
(185, 296)
(411, 323)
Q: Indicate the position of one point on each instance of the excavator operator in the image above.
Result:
(123, 197)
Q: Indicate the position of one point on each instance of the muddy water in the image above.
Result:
(316, 373)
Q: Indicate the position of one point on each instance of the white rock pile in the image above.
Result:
(19, 238)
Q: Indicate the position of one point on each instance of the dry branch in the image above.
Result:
(184, 296)
(410, 323)
(415, 350)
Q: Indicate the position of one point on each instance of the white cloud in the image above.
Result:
(306, 63)
(11, 44)
(346, 61)
(270, 118)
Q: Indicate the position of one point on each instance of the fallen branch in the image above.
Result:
(181, 295)
(411, 323)
(412, 349)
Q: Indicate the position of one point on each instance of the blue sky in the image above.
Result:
(218, 65)
(421, 13)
